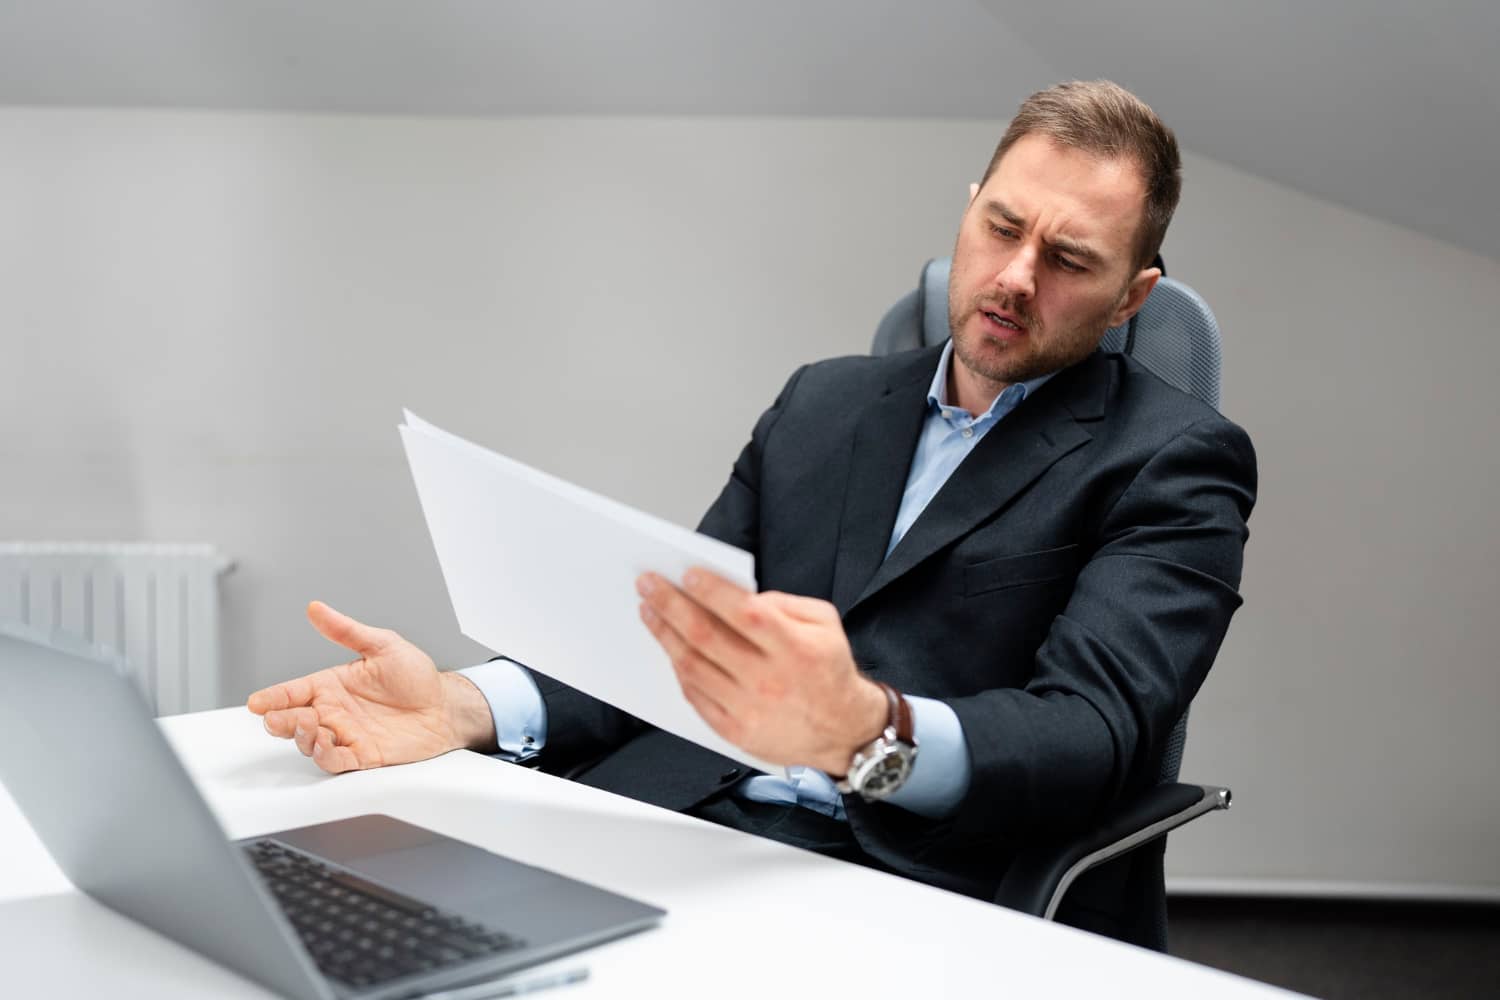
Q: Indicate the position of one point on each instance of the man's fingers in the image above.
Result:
(288, 694)
(286, 722)
(718, 638)
(717, 716)
(340, 628)
(732, 604)
(313, 740)
(304, 737)
(692, 669)
(331, 757)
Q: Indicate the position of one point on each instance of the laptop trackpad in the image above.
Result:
(344, 841)
(451, 874)
(538, 905)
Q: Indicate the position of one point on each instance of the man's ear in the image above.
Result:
(1135, 295)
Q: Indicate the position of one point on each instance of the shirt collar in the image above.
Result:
(937, 392)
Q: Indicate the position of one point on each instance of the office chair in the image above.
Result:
(1175, 336)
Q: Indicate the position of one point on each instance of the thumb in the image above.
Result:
(340, 628)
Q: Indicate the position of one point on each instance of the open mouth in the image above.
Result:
(1004, 323)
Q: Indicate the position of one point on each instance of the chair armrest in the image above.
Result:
(1039, 877)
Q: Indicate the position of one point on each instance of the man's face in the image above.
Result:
(1044, 264)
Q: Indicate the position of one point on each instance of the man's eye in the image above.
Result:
(1002, 232)
(1070, 266)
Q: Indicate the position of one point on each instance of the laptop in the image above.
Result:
(368, 907)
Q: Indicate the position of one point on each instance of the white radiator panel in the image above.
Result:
(156, 605)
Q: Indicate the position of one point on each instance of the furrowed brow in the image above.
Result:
(1000, 209)
(1063, 245)
(1079, 250)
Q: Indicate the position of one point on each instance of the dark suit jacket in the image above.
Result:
(1065, 592)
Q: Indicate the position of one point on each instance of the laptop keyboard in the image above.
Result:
(361, 933)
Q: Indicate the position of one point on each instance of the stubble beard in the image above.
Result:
(1038, 353)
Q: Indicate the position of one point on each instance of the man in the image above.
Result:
(993, 574)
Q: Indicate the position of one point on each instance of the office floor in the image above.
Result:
(1365, 950)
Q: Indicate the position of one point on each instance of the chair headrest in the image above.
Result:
(1175, 334)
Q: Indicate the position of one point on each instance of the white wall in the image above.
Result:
(210, 323)
(1352, 709)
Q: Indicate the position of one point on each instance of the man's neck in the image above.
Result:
(971, 392)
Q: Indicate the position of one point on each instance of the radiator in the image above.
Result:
(155, 605)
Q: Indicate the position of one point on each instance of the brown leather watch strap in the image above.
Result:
(900, 716)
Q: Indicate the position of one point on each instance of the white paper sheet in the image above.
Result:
(544, 571)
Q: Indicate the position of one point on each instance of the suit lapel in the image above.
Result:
(884, 441)
(1012, 456)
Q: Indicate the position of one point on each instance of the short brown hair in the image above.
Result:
(1107, 120)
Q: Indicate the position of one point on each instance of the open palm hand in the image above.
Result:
(389, 706)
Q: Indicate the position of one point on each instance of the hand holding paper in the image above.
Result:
(772, 672)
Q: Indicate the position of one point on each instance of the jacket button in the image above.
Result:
(729, 775)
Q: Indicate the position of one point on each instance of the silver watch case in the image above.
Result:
(880, 767)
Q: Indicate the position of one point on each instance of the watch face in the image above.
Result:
(883, 773)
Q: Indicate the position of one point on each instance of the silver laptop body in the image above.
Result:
(94, 776)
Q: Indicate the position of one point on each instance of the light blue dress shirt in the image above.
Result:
(940, 778)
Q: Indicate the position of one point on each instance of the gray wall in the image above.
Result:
(211, 321)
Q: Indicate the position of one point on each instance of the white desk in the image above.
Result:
(746, 916)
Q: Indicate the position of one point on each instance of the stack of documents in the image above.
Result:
(544, 571)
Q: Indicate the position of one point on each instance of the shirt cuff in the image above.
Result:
(515, 704)
(940, 778)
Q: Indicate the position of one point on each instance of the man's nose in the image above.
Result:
(1018, 276)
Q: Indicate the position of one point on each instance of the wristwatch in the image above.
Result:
(883, 765)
